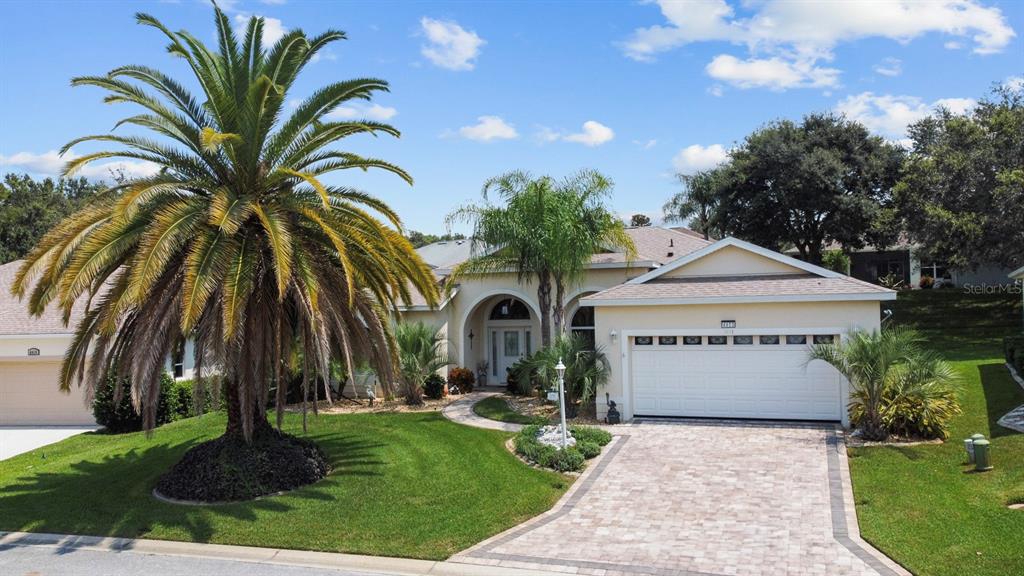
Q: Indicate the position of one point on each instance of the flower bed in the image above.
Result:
(589, 442)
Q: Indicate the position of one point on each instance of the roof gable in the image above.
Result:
(733, 257)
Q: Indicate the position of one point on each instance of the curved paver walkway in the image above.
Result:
(461, 411)
(1014, 419)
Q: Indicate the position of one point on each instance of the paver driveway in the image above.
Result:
(701, 498)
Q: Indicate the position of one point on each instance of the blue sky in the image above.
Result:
(638, 90)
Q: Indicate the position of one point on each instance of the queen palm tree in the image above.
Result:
(697, 205)
(545, 230)
(235, 243)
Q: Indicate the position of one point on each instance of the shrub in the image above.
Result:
(1013, 348)
(588, 445)
(515, 381)
(896, 386)
(433, 386)
(187, 404)
(588, 449)
(591, 434)
(122, 417)
(926, 282)
(836, 261)
(463, 378)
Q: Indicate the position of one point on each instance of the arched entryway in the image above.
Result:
(498, 330)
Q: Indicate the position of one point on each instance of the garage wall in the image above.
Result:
(708, 318)
(49, 345)
(29, 396)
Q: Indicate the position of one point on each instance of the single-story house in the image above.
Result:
(31, 352)
(692, 328)
(904, 263)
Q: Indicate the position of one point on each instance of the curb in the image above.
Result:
(269, 556)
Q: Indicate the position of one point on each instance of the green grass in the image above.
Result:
(922, 505)
(496, 408)
(410, 485)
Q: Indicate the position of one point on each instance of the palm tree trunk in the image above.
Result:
(558, 312)
(260, 424)
(544, 302)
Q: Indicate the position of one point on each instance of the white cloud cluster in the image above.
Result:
(787, 40)
(889, 67)
(51, 164)
(450, 45)
(889, 115)
(695, 158)
(489, 128)
(362, 111)
(773, 73)
(592, 134)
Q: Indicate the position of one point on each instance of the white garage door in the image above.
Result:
(29, 396)
(733, 377)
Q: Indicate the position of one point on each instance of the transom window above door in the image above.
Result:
(510, 309)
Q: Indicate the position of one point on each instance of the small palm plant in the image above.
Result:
(896, 385)
(585, 369)
(235, 243)
(422, 351)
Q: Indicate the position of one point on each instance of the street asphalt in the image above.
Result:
(54, 561)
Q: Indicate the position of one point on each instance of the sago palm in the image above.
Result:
(235, 243)
(586, 370)
(895, 385)
(422, 350)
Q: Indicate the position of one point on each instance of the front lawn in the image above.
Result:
(497, 408)
(412, 485)
(921, 505)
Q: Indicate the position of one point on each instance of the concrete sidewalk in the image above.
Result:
(196, 558)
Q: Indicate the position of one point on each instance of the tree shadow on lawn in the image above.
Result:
(1002, 394)
(113, 496)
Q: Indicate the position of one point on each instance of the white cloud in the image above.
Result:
(489, 128)
(594, 134)
(355, 110)
(451, 46)
(51, 164)
(804, 33)
(889, 115)
(646, 145)
(273, 30)
(889, 67)
(772, 73)
(958, 106)
(1014, 83)
(695, 158)
(716, 90)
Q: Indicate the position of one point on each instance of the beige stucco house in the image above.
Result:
(692, 328)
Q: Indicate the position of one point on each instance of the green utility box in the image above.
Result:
(982, 458)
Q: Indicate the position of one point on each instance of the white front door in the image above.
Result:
(508, 345)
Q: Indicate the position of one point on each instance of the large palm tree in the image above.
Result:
(544, 230)
(235, 243)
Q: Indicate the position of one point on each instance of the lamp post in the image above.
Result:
(560, 368)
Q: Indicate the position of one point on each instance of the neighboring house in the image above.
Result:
(903, 263)
(691, 327)
(31, 352)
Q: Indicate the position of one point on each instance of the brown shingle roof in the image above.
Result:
(15, 318)
(739, 286)
(656, 244)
